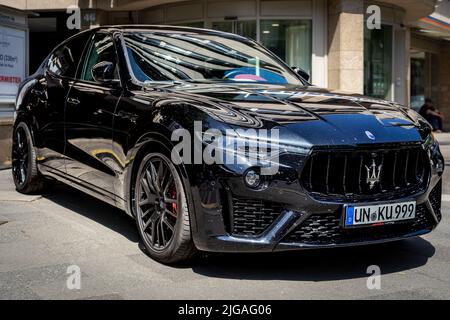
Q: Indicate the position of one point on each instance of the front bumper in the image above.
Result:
(281, 236)
(301, 223)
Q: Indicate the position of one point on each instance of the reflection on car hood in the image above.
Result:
(308, 115)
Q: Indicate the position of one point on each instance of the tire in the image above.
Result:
(161, 209)
(25, 173)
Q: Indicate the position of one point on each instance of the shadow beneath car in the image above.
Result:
(318, 264)
(94, 209)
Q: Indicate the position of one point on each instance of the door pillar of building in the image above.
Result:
(346, 45)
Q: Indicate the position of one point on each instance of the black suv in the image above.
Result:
(102, 111)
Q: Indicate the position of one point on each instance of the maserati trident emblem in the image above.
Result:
(373, 174)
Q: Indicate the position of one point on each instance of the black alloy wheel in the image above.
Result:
(161, 210)
(20, 156)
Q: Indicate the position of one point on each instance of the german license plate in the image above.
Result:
(379, 214)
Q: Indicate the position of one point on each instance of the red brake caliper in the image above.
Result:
(174, 205)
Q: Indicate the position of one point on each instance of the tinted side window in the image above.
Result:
(101, 49)
(64, 60)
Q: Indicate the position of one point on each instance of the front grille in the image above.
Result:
(327, 229)
(343, 174)
(251, 217)
(435, 200)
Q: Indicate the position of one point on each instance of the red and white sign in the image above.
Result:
(12, 61)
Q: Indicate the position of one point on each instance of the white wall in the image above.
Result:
(13, 57)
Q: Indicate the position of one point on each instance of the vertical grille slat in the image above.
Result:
(382, 167)
(360, 173)
(327, 185)
(406, 168)
(352, 174)
(311, 163)
(395, 168)
(415, 174)
(344, 174)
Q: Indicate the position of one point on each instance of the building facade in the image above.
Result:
(405, 60)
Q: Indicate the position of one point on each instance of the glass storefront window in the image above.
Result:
(245, 28)
(378, 62)
(196, 24)
(225, 26)
(290, 40)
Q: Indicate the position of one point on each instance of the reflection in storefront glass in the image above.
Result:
(378, 62)
(245, 28)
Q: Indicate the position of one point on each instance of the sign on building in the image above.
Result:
(12, 61)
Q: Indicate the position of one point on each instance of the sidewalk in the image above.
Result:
(443, 138)
(5, 142)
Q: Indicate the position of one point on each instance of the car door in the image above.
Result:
(89, 115)
(49, 93)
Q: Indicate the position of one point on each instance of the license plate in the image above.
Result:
(379, 214)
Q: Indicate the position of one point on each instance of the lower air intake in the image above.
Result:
(251, 217)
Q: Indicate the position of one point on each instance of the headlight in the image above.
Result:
(263, 148)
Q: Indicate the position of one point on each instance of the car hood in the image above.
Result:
(305, 115)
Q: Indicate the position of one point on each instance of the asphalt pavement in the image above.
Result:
(43, 239)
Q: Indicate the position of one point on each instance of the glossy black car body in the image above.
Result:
(93, 135)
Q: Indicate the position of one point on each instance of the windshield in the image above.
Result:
(189, 56)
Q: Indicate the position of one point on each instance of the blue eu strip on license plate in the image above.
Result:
(379, 214)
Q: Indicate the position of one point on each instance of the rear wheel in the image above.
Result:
(161, 209)
(26, 176)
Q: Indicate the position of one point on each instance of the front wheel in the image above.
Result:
(161, 210)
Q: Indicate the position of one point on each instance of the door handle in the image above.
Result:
(36, 92)
(73, 101)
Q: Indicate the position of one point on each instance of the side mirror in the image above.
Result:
(302, 73)
(103, 72)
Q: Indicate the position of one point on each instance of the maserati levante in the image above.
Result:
(108, 109)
